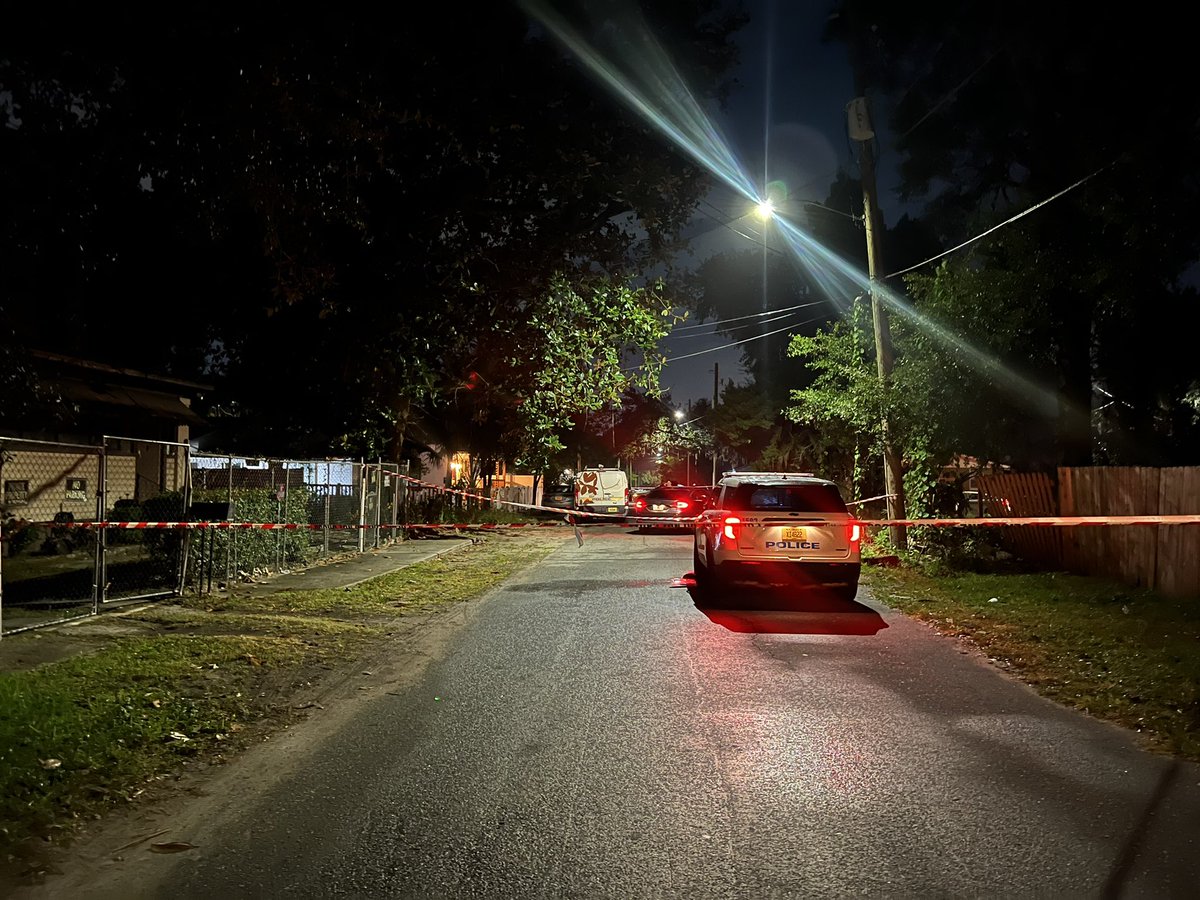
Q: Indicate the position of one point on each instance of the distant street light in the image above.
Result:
(766, 210)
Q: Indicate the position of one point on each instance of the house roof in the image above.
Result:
(154, 403)
(105, 369)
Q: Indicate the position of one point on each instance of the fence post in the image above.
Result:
(231, 532)
(284, 534)
(378, 499)
(362, 504)
(100, 588)
(183, 452)
(327, 504)
(404, 501)
(399, 485)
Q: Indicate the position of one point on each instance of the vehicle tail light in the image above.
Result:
(731, 523)
(639, 503)
(854, 533)
(682, 504)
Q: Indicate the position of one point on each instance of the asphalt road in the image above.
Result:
(588, 731)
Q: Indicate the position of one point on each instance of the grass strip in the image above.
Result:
(83, 732)
(1122, 654)
(80, 735)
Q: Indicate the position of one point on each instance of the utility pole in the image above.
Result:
(716, 385)
(861, 131)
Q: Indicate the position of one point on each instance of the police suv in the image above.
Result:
(768, 526)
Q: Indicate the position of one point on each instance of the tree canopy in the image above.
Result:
(333, 217)
(997, 108)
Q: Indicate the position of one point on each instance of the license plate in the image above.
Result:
(612, 509)
(658, 507)
(793, 534)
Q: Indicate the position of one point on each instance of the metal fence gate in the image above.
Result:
(56, 564)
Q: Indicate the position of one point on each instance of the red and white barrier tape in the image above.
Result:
(1052, 521)
(294, 526)
(517, 504)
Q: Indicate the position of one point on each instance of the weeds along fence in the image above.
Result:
(430, 504)
(56, 564)
(338, 506)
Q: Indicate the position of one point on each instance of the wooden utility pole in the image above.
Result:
(884, 357)
(862, 131)
(716, 384)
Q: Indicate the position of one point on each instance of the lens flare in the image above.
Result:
(651, 85)
(646, 80)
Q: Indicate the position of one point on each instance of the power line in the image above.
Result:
(757, 315)
(746, 340)
(1008, 221)
(734, 230)
(684, 337)
(948, 97)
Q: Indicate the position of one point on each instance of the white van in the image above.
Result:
(602, 490)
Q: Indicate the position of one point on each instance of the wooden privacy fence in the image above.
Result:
(1163, 557)
(1025, 495)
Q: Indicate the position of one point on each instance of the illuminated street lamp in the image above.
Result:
(766, 210)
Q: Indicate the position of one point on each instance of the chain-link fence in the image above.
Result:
(144, 482)
(338, 506)
(55, 564)
(49, 563)
(426, 503)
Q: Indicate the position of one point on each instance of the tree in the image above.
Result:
(844, 405)
(347, 208)
(568, 358)
(997, 109)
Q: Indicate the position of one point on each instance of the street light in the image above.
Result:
(767, 210)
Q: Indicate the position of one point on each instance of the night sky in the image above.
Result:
(787, 115)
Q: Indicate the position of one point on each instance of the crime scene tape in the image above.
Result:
(571, 512)
(1054, 521)
(573, 518)
(294, 526)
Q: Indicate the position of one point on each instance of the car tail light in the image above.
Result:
(682, 504)
(731, 523)
(854, 533)
(639, 503)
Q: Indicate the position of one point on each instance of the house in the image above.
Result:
(53, 467)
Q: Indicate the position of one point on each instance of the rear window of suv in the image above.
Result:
(819, 498)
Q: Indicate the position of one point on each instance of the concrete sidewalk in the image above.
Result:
(349, 571)
(66, 639)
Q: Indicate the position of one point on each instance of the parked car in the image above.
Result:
(668, 506)
(764, 526)
(559, 496)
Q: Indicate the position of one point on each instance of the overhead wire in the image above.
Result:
(780, 318)
(745, 340)
(953, 93)
(757, 315)
(1007, 221)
